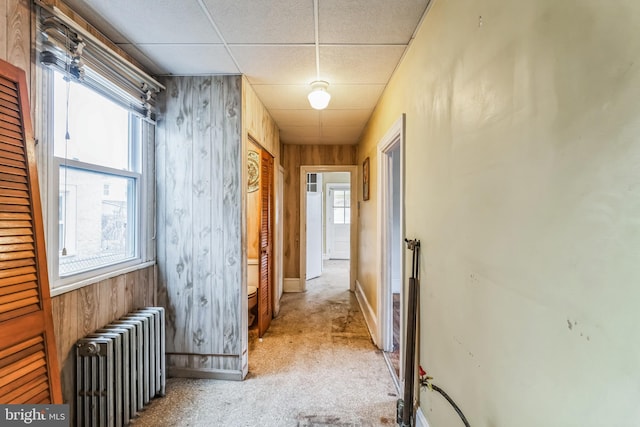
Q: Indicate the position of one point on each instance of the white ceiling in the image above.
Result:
(272, 42)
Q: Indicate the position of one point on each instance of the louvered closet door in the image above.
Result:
(28, 366)
(265, 312)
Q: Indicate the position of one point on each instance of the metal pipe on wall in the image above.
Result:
(406, 406)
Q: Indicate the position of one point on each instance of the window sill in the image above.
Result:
(95, 279)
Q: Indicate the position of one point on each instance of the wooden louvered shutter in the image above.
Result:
(265, 312)
(28, 364)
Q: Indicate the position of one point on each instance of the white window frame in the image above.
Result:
(330, 213)
(52, 164)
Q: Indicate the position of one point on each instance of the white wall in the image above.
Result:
(523, 184)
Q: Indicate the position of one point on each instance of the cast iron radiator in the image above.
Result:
(120, 368)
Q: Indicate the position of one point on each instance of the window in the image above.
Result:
(95, 130)
(312, 182)
(341, 206)
(97, 152)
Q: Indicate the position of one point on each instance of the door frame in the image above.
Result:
(393, 139)
(329, 212)
(353, 261)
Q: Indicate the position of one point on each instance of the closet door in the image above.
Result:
(28, 365)
(265, 308)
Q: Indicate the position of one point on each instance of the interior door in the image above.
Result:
(338, 222)
(28, 359)
(314, 235)
(265, 308)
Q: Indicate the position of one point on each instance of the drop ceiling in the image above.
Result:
(273, 43)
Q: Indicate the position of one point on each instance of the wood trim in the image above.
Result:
(393, 138)
(293, 284)
(211, 374)
(367, 311)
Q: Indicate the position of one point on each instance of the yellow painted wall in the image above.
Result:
(523, 184)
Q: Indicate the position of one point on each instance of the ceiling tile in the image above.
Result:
(291, 118)
(343, 97)
(343, 133)
(358, 64)
(263, 22)
(369, 21)
(300, 135)
(297, 132)
(276, 64)
(283, 97)
(354, 97)
(191, 59)
(341, 118)
(154, 21)
(85, 11)
(149, 65)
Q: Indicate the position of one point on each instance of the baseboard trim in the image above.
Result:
(213, 374)
(421, 420)
(292, 284)
(369, 316)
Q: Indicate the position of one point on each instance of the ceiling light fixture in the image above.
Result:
(319, 97)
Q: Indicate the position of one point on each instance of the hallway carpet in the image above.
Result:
(315, 367)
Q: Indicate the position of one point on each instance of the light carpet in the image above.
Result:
(315, 366)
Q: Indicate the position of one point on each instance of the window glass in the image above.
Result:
(94, 229)
(98, 128)
(341, 206)
(312, 182)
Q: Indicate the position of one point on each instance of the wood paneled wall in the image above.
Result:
(79, 312)
(293, 156)
(199, 177)
(257, 123)
(15, 37)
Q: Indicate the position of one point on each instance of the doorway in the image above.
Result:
(338, 221)
(260, 238)
(391, 231)
(327, 195)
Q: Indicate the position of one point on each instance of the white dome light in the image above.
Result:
(319, 97)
